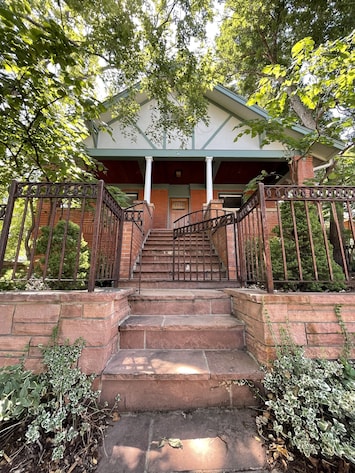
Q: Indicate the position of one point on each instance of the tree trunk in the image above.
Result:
(303, 113)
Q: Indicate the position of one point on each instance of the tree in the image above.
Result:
(255, 34)
(296, 59)
(53, 52)
(322, 79)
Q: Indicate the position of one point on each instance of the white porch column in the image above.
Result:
(209, 182)
(148, 178)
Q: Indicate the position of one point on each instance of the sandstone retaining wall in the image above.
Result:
(310, 319)
(27, 320)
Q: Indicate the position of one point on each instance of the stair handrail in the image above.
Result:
(184, 225)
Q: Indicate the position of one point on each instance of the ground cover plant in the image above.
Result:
(50, 421)
(308, 419)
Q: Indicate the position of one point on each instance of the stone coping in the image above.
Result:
(258, 295)
(103, 294)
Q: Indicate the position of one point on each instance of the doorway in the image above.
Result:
(178, 207)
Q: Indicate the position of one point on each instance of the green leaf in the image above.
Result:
(303, 46)
(175, 443)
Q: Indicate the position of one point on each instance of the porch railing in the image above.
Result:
(202, 249)
(297, 237)
(67, 235)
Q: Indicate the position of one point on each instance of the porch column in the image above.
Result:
(209, 182)
(148, 178)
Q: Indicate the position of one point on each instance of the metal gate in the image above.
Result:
(205, 246)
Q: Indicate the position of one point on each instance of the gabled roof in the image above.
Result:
(238, 104)
(226, 109)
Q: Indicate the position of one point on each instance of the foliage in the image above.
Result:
(119, 196)
(8, 284)
(54, 56)
(295, 230)
(295, 59)
(310, 406)
(322, 78)
(252, 185)
(19, 390)
(256, 34)
(63, 241)
(56, 406)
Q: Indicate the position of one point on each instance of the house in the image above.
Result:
(171, 179)
(179, 178)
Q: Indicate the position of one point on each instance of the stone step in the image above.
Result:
(221, 332)
(169, 238)
(156, 246)
(180, 302)
(154, 283)
(179, 379)
(180, 267)
(148, 277)
(181, 257)
(187, 276)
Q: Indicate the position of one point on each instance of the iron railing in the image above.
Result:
(297, 237)
(67, 235)
(202, 249)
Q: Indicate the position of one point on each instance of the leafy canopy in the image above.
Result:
(55, 53)
(296, 59)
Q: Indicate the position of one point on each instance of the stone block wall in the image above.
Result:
(27, 320)
(310, 318)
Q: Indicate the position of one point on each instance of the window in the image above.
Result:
(131, 197)
(231, 201)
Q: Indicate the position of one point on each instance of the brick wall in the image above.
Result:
(197, 199)
(309, 317)
(160, 199)
(29, 318)
(133, 238)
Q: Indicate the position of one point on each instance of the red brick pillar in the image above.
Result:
(301, 169)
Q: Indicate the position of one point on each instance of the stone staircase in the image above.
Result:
(195, 261)
(180, 349)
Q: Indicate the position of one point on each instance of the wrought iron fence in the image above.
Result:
(66, 235)
(202, 249)
(297, 237)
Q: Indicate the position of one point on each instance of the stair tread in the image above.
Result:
(175, 364)
(180, 322)
(178, 294)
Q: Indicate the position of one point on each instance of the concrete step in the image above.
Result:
(181, 332)
(180, 302)
(179, 379)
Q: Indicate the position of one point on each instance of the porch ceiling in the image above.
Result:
(183, 172)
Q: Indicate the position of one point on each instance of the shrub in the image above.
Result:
(75, 251)
(311, 405)
(56, 407)
(309, 280)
